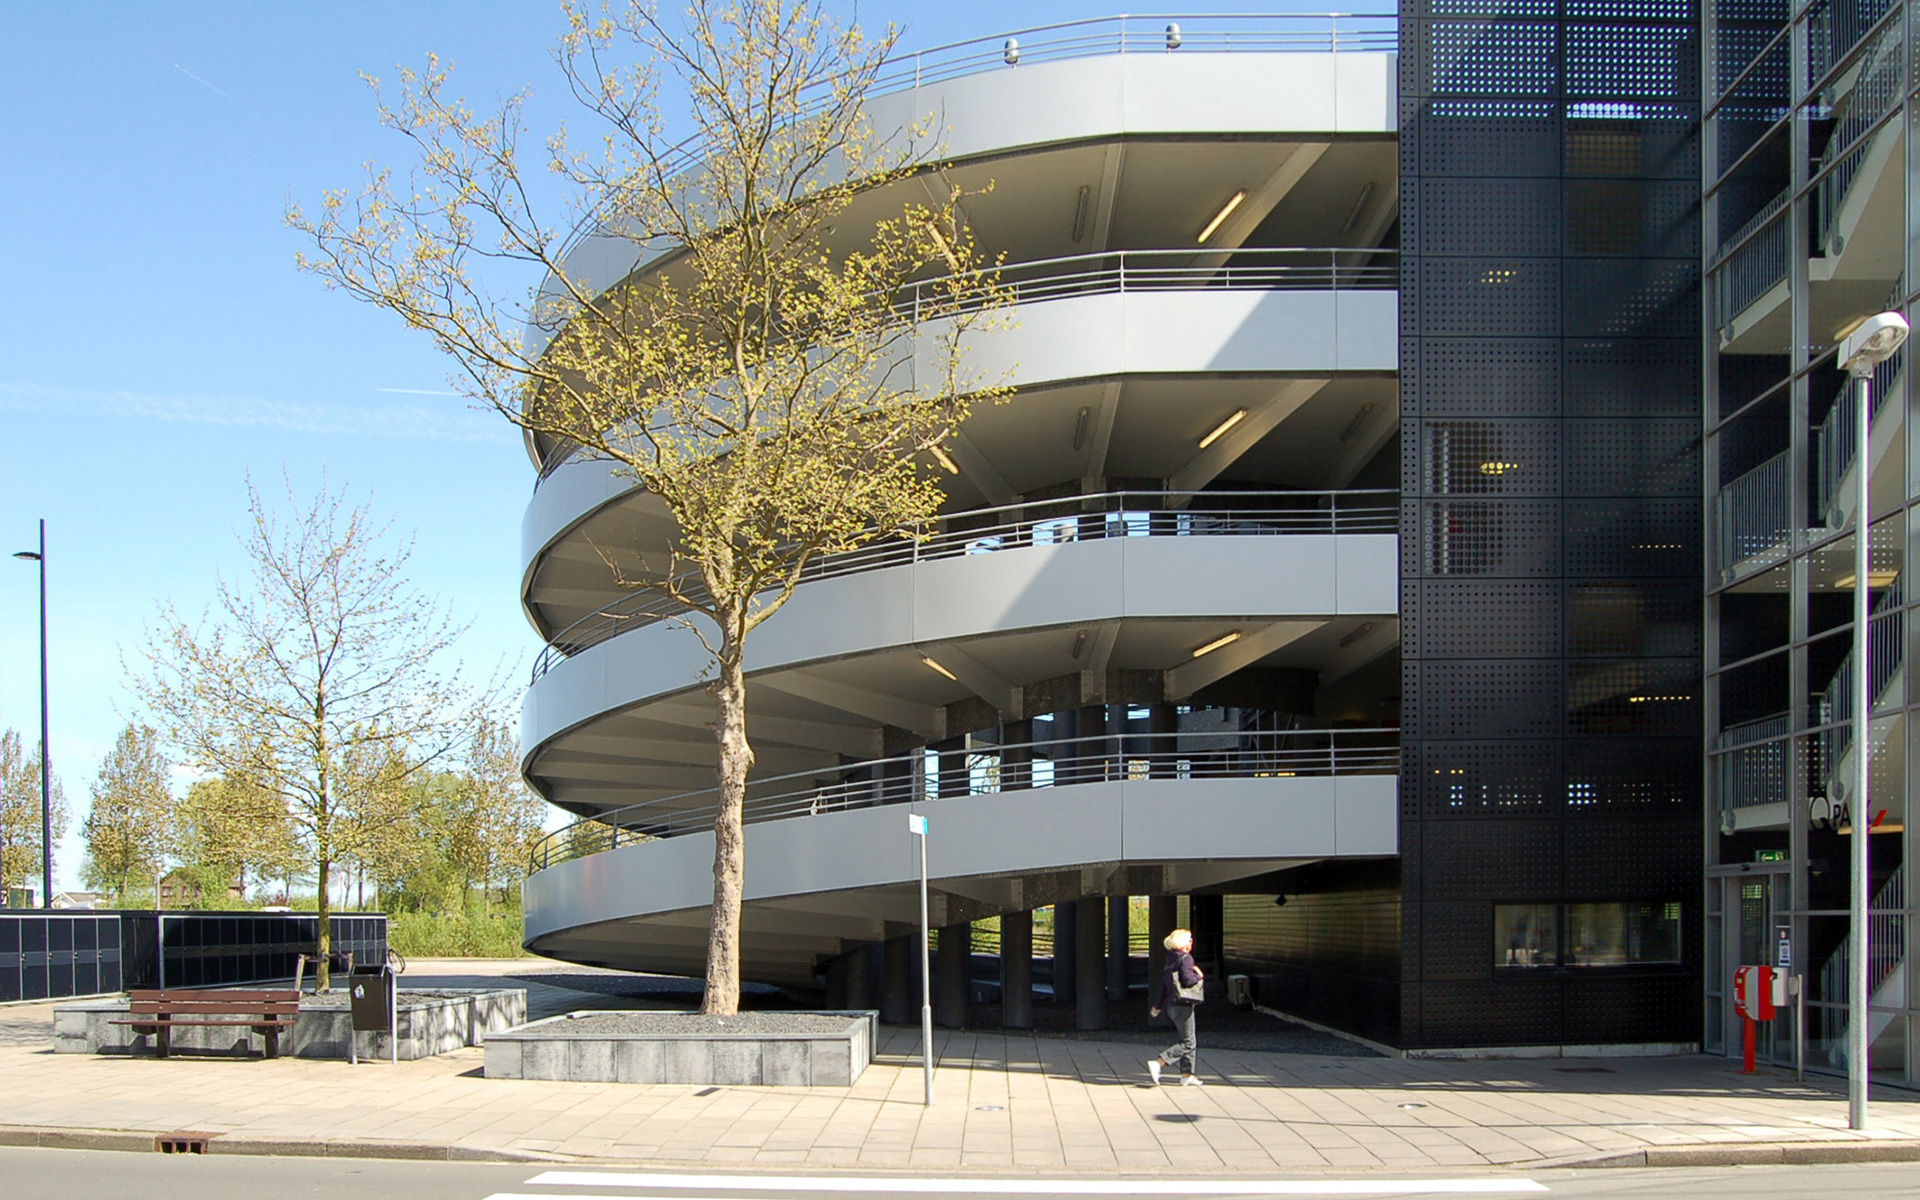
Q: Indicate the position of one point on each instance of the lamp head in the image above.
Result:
(29, 555)
(1872, 342)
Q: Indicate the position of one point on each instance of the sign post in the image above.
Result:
(917, 825)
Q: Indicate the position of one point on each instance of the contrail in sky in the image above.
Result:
(250, 412)
(416, 392)
(203, 83)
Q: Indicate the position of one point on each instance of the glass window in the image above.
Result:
(1621, 934)
(1526, 935)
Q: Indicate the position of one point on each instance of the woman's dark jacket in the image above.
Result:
(1180, 965)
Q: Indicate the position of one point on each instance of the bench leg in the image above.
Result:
(273, 1042)
(163, 1040)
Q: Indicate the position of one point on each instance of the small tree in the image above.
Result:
(758, 380)
(317, 684)
(231, 829)
(20, 841)
(500, 817)
(130, 822)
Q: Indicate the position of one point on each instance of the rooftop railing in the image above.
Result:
(1036, 523)
(935, 777)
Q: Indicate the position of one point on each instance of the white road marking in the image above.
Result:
(829, 1184)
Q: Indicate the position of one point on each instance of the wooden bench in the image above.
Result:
(264, 1012)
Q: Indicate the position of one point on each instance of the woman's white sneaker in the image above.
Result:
(1153, 1069)
(1191, 1081)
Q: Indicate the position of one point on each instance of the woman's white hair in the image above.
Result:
(1179, 939)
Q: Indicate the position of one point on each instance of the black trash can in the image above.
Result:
(370, 994)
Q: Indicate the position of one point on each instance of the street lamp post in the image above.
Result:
(917, 825)
(46, 776)
(1870, 344)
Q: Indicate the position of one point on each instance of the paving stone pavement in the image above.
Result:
(1002, 1102)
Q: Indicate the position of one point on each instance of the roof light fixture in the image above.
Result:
(940, 456)
(1215, 644)
(936, 666)
(1080, 215)
(1219, 218)
(1080, 426)
(1875, 579)
(1238, 415)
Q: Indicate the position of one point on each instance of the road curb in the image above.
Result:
(143, 1141)
(1751, 1154)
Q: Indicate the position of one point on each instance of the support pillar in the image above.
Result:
(1163, 912)
(1016, 756)
(860, 977)
(1208, 914)
(1119, 952)
(898, 1003)
(955, 987)
(837, 969)
(1163, 722)
(1065, 926)
(1016, 970)
(1090, 1007)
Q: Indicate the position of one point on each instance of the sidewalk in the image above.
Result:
(1002, 1103)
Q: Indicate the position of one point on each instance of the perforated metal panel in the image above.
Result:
(1551, 479)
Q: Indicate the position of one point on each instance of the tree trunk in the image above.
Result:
(722, 996)
(323, 978)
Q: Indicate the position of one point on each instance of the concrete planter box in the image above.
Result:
(431, 1022)
(767, 1048)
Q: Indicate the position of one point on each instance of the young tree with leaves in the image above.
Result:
(318, 682)
(231, 830)
(20, 840)
(755, 376)
(130, 822)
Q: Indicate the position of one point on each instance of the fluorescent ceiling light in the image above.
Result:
(940, 456)
(1239, 415)
(1220, 217)
(1216, 643)
(1498, 468)
(1875, 579)
(936, 666)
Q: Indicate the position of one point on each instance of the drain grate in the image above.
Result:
(182, 1143)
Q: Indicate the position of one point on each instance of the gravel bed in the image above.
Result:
(653, 1024)
(338, 997)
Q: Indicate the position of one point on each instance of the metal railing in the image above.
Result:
(1017, 526)
(1272, 269)
(1876, 88)
(1835, 28)
(1886, 953)
(936, 776)
(1886, 651)
(1834, 443)
(1097, 37)
(1755, 265)
(1275, 269)
(1753, 517)
(1753, 774)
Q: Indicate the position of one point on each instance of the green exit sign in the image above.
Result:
(1770, 856)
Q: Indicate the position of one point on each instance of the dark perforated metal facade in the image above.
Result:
(1550, 371)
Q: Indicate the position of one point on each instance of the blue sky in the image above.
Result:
(160, 344)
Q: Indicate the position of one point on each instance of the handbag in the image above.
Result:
(1190, 995)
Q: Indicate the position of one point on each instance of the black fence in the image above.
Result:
(47, 955)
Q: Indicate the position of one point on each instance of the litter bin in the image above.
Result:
(370, 995)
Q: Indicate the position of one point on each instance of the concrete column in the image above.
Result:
(1016, 765)
(1090, 1007)
(1095, 748)
(1117, 948)
(953, 768)
(899, 1001)
(1016, 970)
(838, 997)
(1208, 914)
(1162, 912)
(1162, 723)
(1064, 927)
(860, 977)
(955, 982)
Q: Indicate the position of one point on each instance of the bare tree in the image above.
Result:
(130, 822)
(317, 682)
(783, 373)
(20, 839)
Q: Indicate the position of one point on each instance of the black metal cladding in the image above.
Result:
(1550, 386)
(47, 955)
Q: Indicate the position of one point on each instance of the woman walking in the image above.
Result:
(1177, 991)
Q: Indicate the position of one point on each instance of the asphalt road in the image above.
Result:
(106, 1175)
